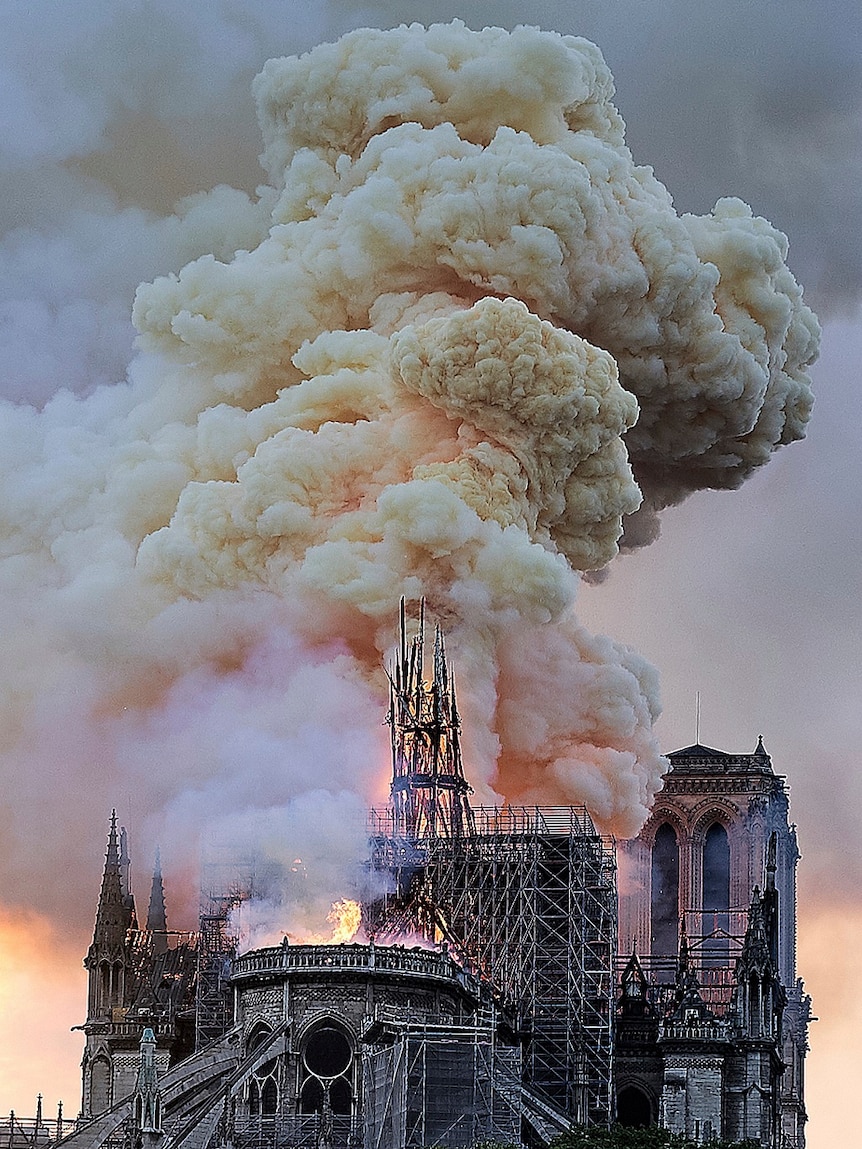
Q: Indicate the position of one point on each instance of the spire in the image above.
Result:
(113, 853)
(687, 999)
(114, 915)
(157, 921)
(429, 790)
(147, 1098)
(755, 954)
(125, 864)
(760, 749)
(760, 996)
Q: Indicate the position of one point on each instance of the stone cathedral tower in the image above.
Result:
(713, 1021)
(138, 977)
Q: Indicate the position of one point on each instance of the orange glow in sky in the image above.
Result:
(829, 944)
(43, 993)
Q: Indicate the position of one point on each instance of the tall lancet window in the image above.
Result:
(664, 898)
(716, 892)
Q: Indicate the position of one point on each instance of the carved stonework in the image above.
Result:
(261, 999)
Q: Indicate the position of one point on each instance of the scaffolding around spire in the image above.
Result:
(429, 790)
(525, 896)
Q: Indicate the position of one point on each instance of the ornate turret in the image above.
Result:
(760, 994)
(114, 915)
(147, 1106)
(634, 999)
(135, 980)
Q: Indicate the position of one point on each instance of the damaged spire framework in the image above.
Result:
(524, 895)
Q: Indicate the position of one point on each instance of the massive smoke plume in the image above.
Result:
(465, 336)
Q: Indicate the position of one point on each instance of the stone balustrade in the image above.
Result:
(347, 958)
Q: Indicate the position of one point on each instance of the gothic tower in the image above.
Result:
(139, 979)
(718, 835)
(109, 963)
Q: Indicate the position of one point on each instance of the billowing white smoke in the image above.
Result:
(471, 314)
(414, 161)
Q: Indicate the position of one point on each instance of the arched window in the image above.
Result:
(341, 1097)
(311, 1097)
(633, 1107)
(664, 897)
(328, 1071)
(269, 1096)
(104, 1001)
(263, 1084)
(716, 894)
(755, 1006)
(716, 869)
(100, 1086)
(117, 985)
(253, 1098)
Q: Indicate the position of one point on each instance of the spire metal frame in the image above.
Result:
(429, 790)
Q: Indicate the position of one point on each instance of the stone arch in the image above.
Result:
(711, 810)
(706, 814)
(635, 1106)
(101, 1084)
(666, 812)
(256, 1036)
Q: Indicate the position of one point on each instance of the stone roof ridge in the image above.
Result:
(698, 755)
(698, 750)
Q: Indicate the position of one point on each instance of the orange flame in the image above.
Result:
(345, 917)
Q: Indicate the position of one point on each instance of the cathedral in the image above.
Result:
(519, 974)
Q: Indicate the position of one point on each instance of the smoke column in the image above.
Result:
(460, 347)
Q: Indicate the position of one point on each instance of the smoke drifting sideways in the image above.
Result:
(473, 340)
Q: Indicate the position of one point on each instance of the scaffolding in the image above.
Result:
(528, 900)
(213, 1003)
(227, 880)
(440, 1085)
(526, 896)
(233, 874)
